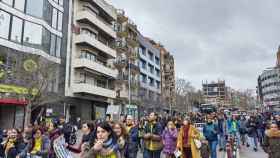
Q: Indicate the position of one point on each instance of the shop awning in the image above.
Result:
(17, 102)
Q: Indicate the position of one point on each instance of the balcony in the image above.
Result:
(94, 90)
(85, 38)
(93, 65)
(86, 14)
(121, 18)
(120, 63)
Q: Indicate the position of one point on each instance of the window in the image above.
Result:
(88, 55)
(158, 72)
(151, 56)
(158, 84)
(60, 2)
(59, 22)
(35, 7)
(151, 68)
(19, 4)
(157, 60)
(9, 2)
(16, 29)
(54, 18)
(32, 34)
(143, 63)
(58, 47)
(142, 50)
(88, 32)
(52, 47)
(4, 24)
(46, 40)
(151, 81)
(144, 78)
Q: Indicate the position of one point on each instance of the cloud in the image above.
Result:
(210, 40)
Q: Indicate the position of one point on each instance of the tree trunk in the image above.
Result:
(27, 118)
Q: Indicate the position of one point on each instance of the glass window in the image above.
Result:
(58, 47)
(54, 18)
(32, 33)
(10, 2)
(35, 7)
(4, 24)
(16, 29)
(46, 40)
(60, 2)
(19, 4)
(59, 21)
(52, 48)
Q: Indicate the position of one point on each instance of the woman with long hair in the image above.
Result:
(105, 143)
(271, 143)
(122, 136)
(169, 138)
(88, 129)
(185, 141)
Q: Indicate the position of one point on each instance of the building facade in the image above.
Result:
(150, 74)
(127, 83)
(90, 74)
(269, 87)
(31, 37)
(214, 93)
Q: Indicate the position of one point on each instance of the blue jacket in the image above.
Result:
(132, 143)
(231, 129)
(210, 131)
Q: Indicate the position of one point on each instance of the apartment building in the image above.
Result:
(127, 83)
(167, 79)
(214, 92)
(150, 74)
(31, 37)
(91, 76)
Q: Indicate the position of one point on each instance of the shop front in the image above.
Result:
(12, 113)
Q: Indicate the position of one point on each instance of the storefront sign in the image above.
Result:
(16, 89)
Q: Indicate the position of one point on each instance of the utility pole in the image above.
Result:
(129, 82)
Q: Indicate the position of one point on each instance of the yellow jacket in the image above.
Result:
(193, 133)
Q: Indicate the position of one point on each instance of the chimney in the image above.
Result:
(278, 57)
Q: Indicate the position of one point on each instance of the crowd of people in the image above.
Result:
(152, 136)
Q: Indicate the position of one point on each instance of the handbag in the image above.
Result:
(197, 143)
(177, 153)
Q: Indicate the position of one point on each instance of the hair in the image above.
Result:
(123, 129)
(106, 126)
(90, 124)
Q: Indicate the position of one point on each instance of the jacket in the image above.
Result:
(271, 144)
(210, 131)
(193, 133)
(169, 140)
(132, 143)
(156, 129)
(13, 151)
(252, 128)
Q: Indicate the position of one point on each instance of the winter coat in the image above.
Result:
(156, 129)
(230, 128)
(271, 144)
(210, 131)
(252, 128)
(13, 151)
(193, 133)
(169, 140)
(44, 153)
(132, 143)
(242, 129)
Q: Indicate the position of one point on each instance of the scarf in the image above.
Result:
(186, 134)
(10, 144)
(37, 145)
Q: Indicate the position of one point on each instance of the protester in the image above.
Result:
(88, 129)
(133, 138)
(205, 150)
(210, 131)
(221, 132)
(185, 141)
(105, 143)
(121, 133)
(271, 144)
(152, 138)
(169, 137)
(252, 133)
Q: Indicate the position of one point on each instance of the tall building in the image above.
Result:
(127, 83)
(214, 92)
(31, 38)
(269, 86)
(167, 70)
(150, 74)
(90, 75)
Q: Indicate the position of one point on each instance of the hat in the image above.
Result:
(129, 117)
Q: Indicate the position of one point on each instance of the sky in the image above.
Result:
(212, 39)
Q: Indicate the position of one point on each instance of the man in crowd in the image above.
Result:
(152, 138)
(133, 140)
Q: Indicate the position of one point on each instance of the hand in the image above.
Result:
(66, 145)
(98, 145)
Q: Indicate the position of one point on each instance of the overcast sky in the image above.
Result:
(212, 39)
